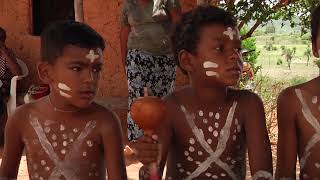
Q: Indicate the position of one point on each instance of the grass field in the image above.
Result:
(299, 67)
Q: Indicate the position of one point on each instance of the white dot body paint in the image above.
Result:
(209, 64)
(43, 162)
(191, 149)
(200, 113)
(62, 127)
(215, 177)
(89, 143)
(215, 133)
(216, 125)
(208, 174)
(200, 153)
(230, 32)
(314, 100)
(210, 114)
(84, 154)
(186, 153)
(178, 165)
(317, 165)
(205, 120)
(92, 56)
(192, 141)
(217, 116)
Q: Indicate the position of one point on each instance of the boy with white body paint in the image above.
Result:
(66, 135)
(208, 126)
(299, 122)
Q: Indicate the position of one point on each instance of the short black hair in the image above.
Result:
(59, 34)
(186, 33)
(315, 23)
(3, 35)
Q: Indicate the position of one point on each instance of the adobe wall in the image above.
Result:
(102, 15)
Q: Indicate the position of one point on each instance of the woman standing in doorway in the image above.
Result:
(146, 51)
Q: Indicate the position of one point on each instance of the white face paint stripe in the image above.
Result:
(60, 168)
(212, 73)
(209, 64)
(222, 141)
(262, 174)
(313, 122)
(64, 87)
(230, 32)
(65, 94)
(92, 56)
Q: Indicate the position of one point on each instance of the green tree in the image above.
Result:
(288, 55)
(260, 11)
(307, 54)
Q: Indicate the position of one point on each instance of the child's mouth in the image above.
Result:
(87, 94)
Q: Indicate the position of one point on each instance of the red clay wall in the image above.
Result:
(103, 15)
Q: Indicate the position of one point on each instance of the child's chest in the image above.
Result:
(212, 137)
(59, 148)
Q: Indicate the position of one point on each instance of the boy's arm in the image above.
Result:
(257, 138)
(165, 135)
(287, 142)
(113, 148)
(13, 148)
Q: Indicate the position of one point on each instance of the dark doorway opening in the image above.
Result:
(45, 12)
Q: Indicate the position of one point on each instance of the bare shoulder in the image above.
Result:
(19, 119)
(246, 97)
(106, 119)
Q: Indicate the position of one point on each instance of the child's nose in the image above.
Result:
(234, 55)
(89, 76)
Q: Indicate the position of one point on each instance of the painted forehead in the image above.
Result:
(94, 55)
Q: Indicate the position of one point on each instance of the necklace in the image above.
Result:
(59, 110)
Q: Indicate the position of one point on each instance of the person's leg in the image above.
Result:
(162, 76)
(136, 82)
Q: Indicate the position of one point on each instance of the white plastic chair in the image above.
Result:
(12, 102)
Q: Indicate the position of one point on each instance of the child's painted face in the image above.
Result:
(218, 55)
(76, 74)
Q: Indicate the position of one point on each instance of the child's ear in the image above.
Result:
(185, 60)
(315, 50)
(44, 72)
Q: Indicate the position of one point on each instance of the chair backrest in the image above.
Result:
(12, 102)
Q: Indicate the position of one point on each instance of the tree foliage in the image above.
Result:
(262, 11)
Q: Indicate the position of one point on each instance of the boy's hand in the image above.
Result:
(145, 149)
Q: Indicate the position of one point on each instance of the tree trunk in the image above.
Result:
(78, 10)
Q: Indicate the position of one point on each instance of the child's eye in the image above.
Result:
(76, 69)
(219, 49)
(96, 69)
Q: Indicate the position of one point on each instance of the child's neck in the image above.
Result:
(59, 104)
(207, 95)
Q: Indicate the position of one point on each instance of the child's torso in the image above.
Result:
(208, 143)
(308, 133)
(63, 149)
